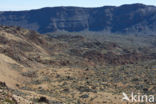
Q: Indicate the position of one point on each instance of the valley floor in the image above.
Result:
(38, 69)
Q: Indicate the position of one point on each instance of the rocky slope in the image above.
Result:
(135, 18)
(38, 69)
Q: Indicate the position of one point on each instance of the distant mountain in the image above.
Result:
(132, 18)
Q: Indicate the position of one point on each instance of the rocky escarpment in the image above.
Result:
(124, 19)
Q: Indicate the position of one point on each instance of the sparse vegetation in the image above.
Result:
(74, 69)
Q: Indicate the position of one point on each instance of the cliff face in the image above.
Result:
(124, 19)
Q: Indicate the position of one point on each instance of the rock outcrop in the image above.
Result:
(135, 18)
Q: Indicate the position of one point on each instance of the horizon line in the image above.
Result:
(75, 7)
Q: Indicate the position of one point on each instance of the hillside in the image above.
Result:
(131, 19)
(71, 69)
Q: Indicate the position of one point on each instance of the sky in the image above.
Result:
(16, 5)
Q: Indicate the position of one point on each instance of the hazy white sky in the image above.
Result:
(34, 4)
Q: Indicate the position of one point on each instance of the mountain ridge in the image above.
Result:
(77, 7)
(129, 18)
